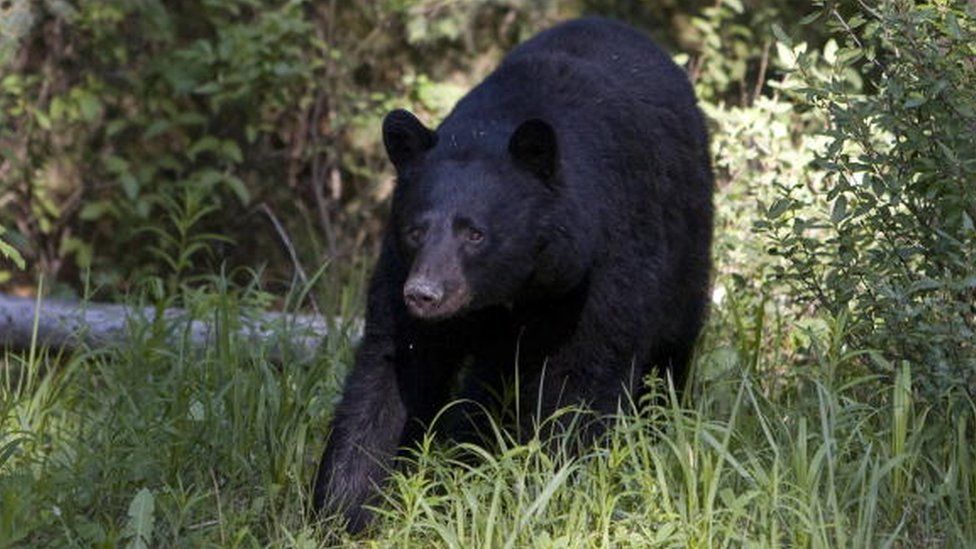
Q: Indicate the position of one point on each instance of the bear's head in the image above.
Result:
(475, 216)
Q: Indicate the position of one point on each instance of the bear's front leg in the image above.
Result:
(398, 384)
(366, 431)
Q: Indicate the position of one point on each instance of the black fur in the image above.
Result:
(562, 210)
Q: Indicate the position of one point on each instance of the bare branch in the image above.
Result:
(286, 241)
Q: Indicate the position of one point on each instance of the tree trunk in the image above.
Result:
(72, 325)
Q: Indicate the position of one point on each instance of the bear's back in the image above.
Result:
(575, 67)
(618, 55)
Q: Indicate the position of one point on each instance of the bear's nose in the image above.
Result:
(422, 295)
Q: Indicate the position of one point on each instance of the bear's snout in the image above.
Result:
(423, 295)
(430, 299)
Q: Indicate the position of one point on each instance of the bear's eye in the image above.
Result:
(474, 235)
(415, 235)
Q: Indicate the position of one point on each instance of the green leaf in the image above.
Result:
(231, 150)
(952, 26)
(43, 120)
(190, 118)
(82, 250)
(11, 253)
(839, 211)
(968, 283)
(143, 209)
(116, 164)
(139, 528)
(208, 88)
(778, 208)
(196, 411)
(785, 55)
(9, 447)
(115, 126)
(130, 185)
(830, 52)
(156, 128)
(810, 18)
(924, 285)
(57, 108)
(915, 101)
(781, 35)
(90, 106)
(846, 56)
(206, 143)
(238, 187)
(95, 210)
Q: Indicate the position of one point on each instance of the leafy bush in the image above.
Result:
(886, 236)
(132, 113)
(134, 132)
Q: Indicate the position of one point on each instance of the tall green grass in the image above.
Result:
(782, 440)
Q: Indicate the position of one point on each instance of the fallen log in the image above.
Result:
(73, 325)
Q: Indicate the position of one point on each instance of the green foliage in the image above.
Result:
(168, 101)
(112, 111)
(886, 235)
(733, 58)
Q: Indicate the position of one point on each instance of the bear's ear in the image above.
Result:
(533, 147)
(405, 137)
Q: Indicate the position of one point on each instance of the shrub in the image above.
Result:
(887, 237)
(132, 133)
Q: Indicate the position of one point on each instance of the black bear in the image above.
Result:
(555, 227)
